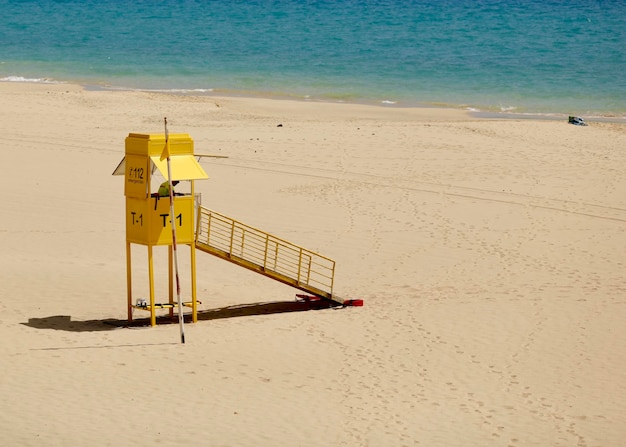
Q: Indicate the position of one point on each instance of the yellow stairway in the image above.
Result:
(266, 254)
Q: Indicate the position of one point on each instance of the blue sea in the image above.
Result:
(516, 56)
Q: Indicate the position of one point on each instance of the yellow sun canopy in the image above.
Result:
(184, 167)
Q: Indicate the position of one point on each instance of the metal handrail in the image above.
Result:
(271, 255)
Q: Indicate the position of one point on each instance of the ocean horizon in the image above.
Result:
(492, 56)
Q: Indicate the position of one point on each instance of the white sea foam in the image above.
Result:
(389, 102)
(33, 80)
(188, 90)
(182, 91)
(178, 90)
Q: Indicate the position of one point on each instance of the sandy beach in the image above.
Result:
(489, 254)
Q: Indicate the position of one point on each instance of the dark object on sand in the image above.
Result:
(578, 121)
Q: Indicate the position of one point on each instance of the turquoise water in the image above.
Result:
(543, 56)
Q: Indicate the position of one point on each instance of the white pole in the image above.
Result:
(181, 319)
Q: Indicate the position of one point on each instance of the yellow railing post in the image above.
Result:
(267, 246)
(232, 236)
(209, 232)
(299, 264)
(308, 275)
(243, 242)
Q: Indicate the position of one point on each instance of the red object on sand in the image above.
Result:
(353, 303)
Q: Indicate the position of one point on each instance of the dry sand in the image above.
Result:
(489, 254)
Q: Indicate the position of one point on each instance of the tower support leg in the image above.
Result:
(129, 282)
(151, 279)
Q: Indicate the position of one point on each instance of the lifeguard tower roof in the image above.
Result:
(182, 160)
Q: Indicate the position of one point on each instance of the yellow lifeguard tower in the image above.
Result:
(148, 219)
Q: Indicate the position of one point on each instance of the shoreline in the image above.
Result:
(217, 93)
